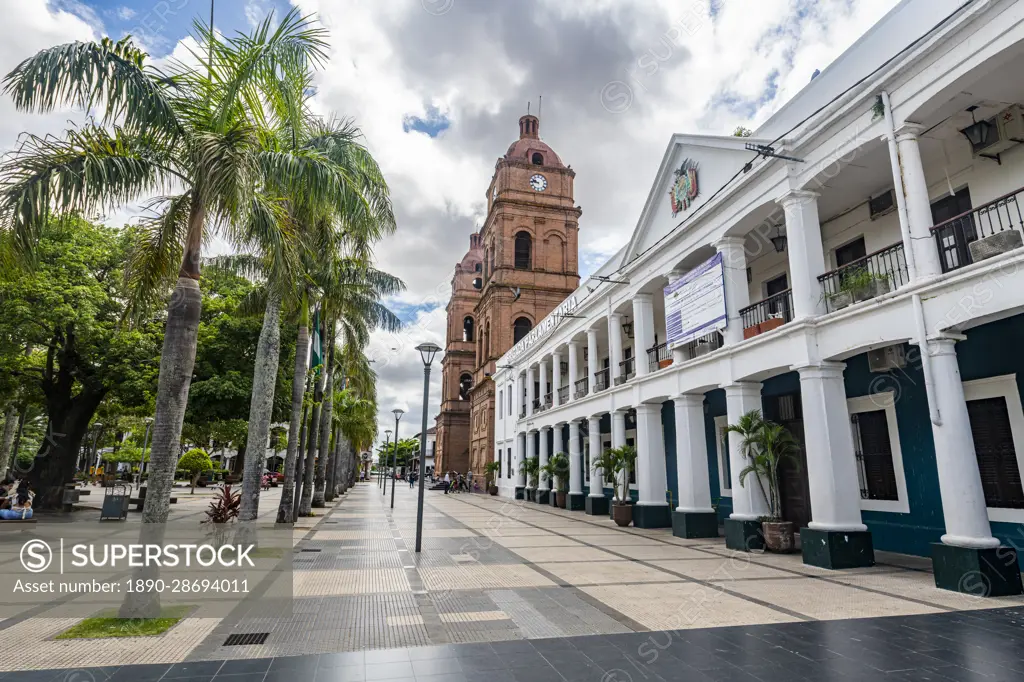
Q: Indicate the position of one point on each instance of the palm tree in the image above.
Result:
(765, 445)
(190, 131)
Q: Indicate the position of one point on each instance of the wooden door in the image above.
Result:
(794, 487)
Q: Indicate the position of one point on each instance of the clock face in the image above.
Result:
(539, 183)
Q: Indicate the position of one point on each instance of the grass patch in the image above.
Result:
(105, 626)
(267, 553)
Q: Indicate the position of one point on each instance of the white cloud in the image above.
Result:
(125, 13)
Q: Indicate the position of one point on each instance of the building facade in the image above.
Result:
(853, 272)
(523, 264)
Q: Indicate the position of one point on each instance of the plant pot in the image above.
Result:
(778, 536)
(843, 299)
(995, 244)
(751, 331)
(560, 499)
(770, 324)
(493, 490)
(662, 364)
(622, 514)
(875, 288)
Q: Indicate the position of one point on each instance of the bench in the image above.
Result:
(139, 502)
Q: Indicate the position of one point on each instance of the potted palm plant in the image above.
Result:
(616, 463)
(765, 445)
(557, 470)
(491, 470)
(530, 467)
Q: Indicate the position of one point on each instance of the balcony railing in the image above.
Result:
(563, 395)
(659, 357)
(582, 388)
(522, 412)
(601, 379)
(768, 314)
(865, 278)
(548, 400)
(627, 370)
(702, 346)
(981, 233)
(536, 404)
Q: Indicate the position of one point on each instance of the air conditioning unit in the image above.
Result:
(887, 359)
(882, 205)
(1011, 124)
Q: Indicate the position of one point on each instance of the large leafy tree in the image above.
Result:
(69, 308)
(191, 133)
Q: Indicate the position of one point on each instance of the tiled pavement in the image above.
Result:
(515, 591)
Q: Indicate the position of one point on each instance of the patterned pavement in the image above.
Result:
(494, 571)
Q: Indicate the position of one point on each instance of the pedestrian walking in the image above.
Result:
(447, 482)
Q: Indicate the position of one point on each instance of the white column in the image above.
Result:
(737, 294)
(520, 454)
(596, 473)
(575, 459)
(615, 346)
(543, 380)
(618, 440)
(574, 369)
(592, 359)
(643, 331)
(531, 450)
(963, 500)
(919, 209)
(828, 442)
(544, 431)
(692, 455)
(556, 378)
(531, 379)
(518, 402)
(651, 477)
(805, 253)
(748, 502)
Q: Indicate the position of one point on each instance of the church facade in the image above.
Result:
(520, 266)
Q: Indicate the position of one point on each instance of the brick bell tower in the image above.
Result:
(530, 264)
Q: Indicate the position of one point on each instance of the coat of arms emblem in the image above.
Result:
(684, 189)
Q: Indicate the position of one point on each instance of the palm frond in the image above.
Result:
(154, 258)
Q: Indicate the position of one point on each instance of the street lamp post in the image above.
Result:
(380, 469)
(398, 412)
(427, 353)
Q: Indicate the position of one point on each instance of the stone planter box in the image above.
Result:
(1000, 242)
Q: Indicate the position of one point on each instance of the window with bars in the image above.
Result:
(523, 248)
(876, 472)
(508, 471)
(997, 457)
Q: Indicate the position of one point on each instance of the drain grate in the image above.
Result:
(246, 638)
(309, 550)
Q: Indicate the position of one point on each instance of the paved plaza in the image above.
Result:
(513, 590)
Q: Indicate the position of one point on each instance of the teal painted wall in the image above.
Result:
(714, 406)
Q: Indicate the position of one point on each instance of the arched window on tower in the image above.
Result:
(538, 158)
(524, 247)
(520, 329)
(467, 329)
(465, 384)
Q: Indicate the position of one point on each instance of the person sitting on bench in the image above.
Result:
(21, 510)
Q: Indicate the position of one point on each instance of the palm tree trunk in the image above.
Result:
(331, 491)
(324, 456)
(7, 442)
(308, 469)
(300, 459)
(284, 510)
(264, 379)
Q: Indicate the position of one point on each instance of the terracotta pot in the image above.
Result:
(778, 536)
(770, 324)
(662, 364)
(751, 331)
(622, 514)
(493, 490)
(560, 499)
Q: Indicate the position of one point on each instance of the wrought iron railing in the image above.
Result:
(548, 400)
(563, 395)
(536, 404)
(522, 412)
(702, 346)
(658, 357)
(601, 379)
(582, 388)
(875, 274)
(772, 312)
(627, 370)
(981, 232)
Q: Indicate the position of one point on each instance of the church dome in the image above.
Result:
(529, 148)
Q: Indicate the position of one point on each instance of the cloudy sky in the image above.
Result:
(437, 86)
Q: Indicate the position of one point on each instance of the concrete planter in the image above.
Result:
(560, 499)
(874, 289)
(778, 536)
(493, 490)
(998, 243)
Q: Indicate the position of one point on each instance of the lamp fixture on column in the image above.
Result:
(779, 241)
(979, 133)
(627, 329)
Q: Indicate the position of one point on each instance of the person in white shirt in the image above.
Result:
(447, 482)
